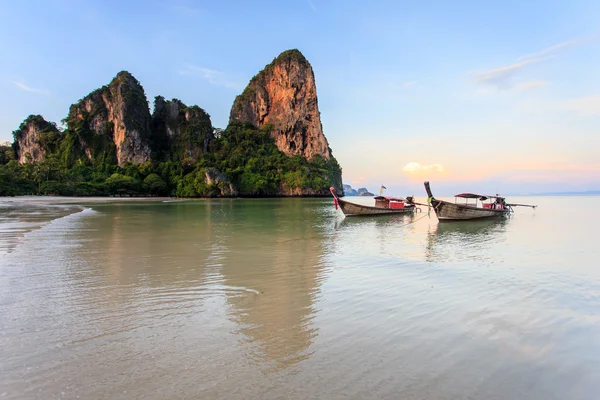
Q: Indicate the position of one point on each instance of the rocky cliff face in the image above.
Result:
(223, 187)
(34, 139)
(181, 133)
(284, 96)
(286, 191)
(113, 122)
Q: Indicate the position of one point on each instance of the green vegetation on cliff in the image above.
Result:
(179, 133)
(110, 125)
(250, 160)
(39, 137)
(241, 160)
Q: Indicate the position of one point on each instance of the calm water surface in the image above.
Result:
(286, 299)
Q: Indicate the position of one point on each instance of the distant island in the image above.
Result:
(349, 191)
(584, 193)
(112, 145)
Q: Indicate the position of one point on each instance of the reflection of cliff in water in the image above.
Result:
(257, 263)
(465, 240)
(275, 247)
(163, 245)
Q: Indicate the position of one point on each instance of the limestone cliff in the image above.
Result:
(112, 124)
(35, 138)
(273, 146)
(284, 96)
(296, 191)
(223, 187)
(180, 133)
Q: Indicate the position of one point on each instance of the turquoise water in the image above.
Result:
(284, 298)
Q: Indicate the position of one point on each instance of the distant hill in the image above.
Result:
(349, 191)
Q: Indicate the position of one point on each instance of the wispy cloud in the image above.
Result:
(416, 81)
(415, 167)
(214, 77)
(26, 88)
(531, 85)
(502, 77)
(586, 106)
(312, 5)
(195, 70)
(553, 50)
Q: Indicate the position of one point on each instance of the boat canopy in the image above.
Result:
(481, 197)
(389, 198)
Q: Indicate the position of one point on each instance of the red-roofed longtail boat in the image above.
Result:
(484, 206)
(383, 205)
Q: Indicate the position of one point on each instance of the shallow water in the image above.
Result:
(238, 299)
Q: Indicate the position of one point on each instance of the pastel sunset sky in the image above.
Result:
(472, 95)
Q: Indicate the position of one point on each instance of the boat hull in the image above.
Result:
(353, 209)
(447, 211)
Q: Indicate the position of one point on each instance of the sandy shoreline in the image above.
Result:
(49, 200)
(81, 200)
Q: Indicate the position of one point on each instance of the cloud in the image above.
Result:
(416, 82)
(502, 77)
(586, 106)
(26, 88)
(552, 50)
(194, 70)
(214, 77)
(414, 168)
(531, 85)
(312, 5)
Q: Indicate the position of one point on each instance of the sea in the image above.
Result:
(289, 299)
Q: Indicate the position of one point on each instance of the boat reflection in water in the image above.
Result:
(466, 240)
(390, 220)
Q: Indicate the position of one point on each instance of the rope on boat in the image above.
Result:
(418, 219)
(425, 205)
(421, 204)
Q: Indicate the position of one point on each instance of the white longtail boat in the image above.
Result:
(483, 206)
(384, 205)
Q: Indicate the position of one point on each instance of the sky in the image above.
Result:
(494, 97)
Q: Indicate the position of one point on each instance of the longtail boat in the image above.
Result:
(384, 205)
(483, 206)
